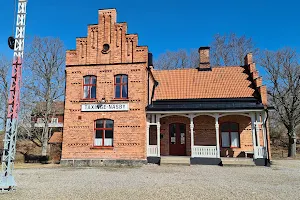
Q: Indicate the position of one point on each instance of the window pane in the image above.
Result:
(98, 142)
(182, 128)
(173, 133)
(225, 127)
(109, 124)
(99, 124)
(225, 139)
(86, 79)
(234, 139)
(125, 79)
(93, 92)
(118, 79)
(234, 127)
(94, 80)
(86, 92)
(108, 134)
(108, 141)
(117, 91)
(99, 134)
(124, 91)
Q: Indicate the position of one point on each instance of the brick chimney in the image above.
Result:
(204, 59)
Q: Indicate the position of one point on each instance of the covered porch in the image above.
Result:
(207, 136)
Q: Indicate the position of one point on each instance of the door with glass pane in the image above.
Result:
(177, 140)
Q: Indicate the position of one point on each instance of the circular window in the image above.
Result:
(105, 48)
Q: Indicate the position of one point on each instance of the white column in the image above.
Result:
(265, 138)
(253, 133)
(192, 134)
(147, 136)
(158, 134)
(217, 135)
(257, 129)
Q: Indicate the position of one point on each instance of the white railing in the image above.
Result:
(40, 125)
(204, 151)
(152, 151)
(260, 152)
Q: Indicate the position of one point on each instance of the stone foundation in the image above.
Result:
(262, 162)
(153, 160)
(206, 161)
(102, 163)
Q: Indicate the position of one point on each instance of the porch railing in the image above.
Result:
(204, 151)
(152, 150)
(260, 152)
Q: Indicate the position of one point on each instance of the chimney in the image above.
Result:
(204, 59)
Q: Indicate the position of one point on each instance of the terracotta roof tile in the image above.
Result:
(221, 82)
(57, 137)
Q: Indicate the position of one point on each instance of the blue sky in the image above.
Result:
(164, 24)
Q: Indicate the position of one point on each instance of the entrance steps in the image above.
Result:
(237, 161)
(175, 160)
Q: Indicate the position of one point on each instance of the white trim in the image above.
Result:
(227, 114)
(203, 114)
(253, 133)
(204, 111)
(191, 116)
(217, 134)
(175, 114)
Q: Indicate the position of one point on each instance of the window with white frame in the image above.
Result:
(54, 120)
(230, 136)
(40, 120)
(104, 133)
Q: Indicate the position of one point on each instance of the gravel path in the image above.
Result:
(281, 181)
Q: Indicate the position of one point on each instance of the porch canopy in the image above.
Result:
(215, 107)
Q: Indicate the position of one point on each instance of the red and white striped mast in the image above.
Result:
(7, 181)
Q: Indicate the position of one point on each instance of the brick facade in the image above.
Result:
(123, 57)
(108, 51)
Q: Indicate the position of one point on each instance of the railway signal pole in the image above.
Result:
(7, 181)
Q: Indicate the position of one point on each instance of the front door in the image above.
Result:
(177, 139)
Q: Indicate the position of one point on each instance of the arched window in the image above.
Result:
(230, 134)
(121, 86)
(104, 132)
(89, 87)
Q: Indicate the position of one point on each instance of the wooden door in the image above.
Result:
(177, 139)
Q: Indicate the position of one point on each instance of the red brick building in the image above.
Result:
(118, 109)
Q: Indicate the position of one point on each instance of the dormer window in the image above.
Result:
(89, 87)
(121, 86)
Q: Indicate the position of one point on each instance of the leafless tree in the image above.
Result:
(4, 89)
(226, 50)
(230, 50)
(283, 72)
(43, 85)
(177, 60)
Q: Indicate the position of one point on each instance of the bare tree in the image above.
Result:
(283, 72)
(4, 89)
(43, 85)
(230, 50)
(226, 50)
(177, 60)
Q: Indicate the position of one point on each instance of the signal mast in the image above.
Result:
(7, 181)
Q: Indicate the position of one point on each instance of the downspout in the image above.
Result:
(148, 86)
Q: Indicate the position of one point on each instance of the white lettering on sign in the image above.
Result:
(105, 107)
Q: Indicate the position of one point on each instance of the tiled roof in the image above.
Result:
(57, 107)
(57, 137)
(220, 82)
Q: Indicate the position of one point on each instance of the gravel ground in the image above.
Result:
(281, 181)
